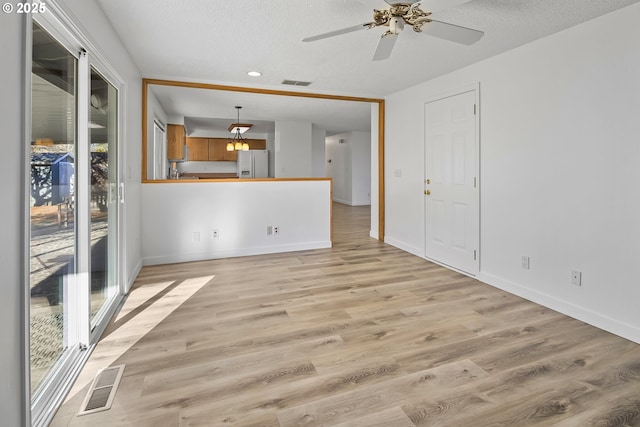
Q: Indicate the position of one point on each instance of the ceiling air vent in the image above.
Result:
(295, 83)
(102, 391)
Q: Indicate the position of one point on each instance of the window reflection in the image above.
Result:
(52, 212)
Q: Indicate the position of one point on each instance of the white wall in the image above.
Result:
(293, 149)
(360, 168)
(350, 167)
(318, 136)
(208, 167)
(13, 390)
(559, 169)
(338, 167)
(271, 147)
(240, 211)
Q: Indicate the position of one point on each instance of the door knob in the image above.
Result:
(427, 192)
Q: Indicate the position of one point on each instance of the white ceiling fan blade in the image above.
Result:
(454, 33)
(438, 5)
(385, 46)
(336, 32)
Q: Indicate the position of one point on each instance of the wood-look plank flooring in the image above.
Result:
(362, 334)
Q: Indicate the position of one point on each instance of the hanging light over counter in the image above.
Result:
(238, 143)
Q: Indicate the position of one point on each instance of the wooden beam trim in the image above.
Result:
(381, 203)
(194, 85)
(381, 117)
(144, 130)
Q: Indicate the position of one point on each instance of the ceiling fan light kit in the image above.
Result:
(404, 13)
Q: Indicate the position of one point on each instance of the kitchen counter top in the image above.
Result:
(189, 175)
(228, 177)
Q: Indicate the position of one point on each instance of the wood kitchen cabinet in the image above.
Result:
(215, 149)
(232, 156)
(176, 137)
(198, 149)
(257, 144)
(218, 151)
(229, 156)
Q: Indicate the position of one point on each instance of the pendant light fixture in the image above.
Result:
(238, 143)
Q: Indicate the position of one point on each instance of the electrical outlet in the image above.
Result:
(525, 262)
(195, 236)
(215, 234)
(276, 230)
(269, 230)
(576, 278)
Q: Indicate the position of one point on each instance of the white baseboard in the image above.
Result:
(344, 202)
(133, 275)
(577, 312)
(352, 203)
(373, 234)
(202, 256)
(404, 246)
(583, 314)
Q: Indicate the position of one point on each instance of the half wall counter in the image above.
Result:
(199, 219)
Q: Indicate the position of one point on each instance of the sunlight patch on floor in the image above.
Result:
(114, 345)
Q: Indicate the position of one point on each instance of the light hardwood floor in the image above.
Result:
(362, 334)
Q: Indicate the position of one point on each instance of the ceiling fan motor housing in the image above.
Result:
(396, 24)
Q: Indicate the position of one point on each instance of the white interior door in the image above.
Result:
(451, 182)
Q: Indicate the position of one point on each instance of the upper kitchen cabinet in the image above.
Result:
(218, 150)
(232, 156)
(176, 136)
(215, 149)
(198, 149)
(257, 144)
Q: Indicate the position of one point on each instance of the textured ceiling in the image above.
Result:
(220, 40)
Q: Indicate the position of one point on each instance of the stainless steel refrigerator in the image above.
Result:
(253, 164)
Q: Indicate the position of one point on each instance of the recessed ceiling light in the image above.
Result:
(254, 73)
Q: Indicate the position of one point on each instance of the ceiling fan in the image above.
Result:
(408, 12)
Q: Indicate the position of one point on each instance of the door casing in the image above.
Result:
(470, 266)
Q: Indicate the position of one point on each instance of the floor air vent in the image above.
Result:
(102, 390)
(295, 83)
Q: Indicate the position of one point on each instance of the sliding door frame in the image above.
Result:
(46, 397)
(41, 406)
(97, 64)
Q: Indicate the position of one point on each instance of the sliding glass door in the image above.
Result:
(74, 210)
(53, 203)
(103, 131)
